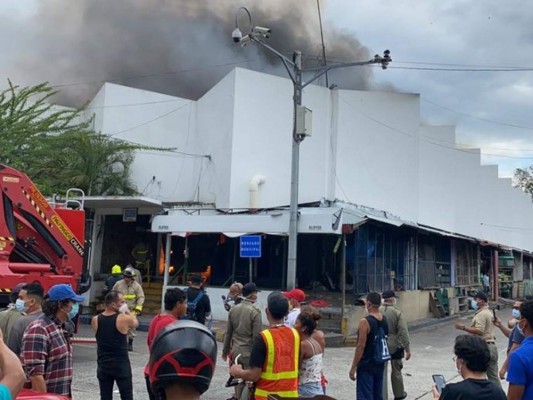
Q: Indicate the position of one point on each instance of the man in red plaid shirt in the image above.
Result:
(46, 350)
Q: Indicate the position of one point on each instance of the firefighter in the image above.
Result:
(116, 275)
(134, 297)
(141, 255)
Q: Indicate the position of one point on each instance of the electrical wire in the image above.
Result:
(425, 138)
(477, 118)
(152, 120)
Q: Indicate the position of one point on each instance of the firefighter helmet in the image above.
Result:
(128, 273)
(183, 352)
(116, 269)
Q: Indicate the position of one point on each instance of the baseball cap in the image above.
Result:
(18, 287)
(248, 289)
(482, 296)
(295, 294)
(196, 278)
(388, 294)
(63, 292)
(277, 304)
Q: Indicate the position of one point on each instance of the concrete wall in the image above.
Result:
(414, 305)
(377, 151)
(155, 120)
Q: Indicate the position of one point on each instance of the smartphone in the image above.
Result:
(439, 382)
(494, 313)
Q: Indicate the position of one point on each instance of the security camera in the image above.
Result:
(261, 30)
(244, 40)
(236, 35)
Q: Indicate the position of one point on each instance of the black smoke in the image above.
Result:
(177, 47)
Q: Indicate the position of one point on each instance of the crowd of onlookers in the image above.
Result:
(36, 330)
(284, 359)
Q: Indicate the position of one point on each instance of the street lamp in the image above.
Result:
(258, 34)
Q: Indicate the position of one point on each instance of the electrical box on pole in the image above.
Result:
(304, 121)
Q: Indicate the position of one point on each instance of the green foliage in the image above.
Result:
(523, 178)
(56, 147)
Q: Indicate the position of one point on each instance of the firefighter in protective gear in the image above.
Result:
(134, 297)
(116, 275)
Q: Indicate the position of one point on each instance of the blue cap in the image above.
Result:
(63, 292)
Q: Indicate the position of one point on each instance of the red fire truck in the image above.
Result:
(40, 240)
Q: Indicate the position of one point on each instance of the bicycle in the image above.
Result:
(247, 392)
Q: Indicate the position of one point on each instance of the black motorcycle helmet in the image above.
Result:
(183, 352)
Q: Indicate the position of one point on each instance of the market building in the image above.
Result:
(386, 202)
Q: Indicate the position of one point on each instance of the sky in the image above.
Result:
(470, 61)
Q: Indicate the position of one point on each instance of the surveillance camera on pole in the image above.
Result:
(261, 30)
(236, 35)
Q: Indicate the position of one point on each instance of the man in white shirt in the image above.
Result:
(296, 297)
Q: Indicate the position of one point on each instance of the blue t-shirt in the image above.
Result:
(5, 394)
(515, 337)
(520, 370)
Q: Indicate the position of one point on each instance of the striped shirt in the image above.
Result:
(46, 351)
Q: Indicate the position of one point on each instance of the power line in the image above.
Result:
(445, 66)
(152, 120)
(428, 140)
(477, 118)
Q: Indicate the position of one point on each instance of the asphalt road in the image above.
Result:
(431, 347)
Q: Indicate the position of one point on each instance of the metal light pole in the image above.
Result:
(258, 34)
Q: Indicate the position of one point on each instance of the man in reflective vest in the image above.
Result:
(134, 297)
(275, 358)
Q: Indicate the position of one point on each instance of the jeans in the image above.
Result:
(370, 383)
(107, 379)
(310, 389)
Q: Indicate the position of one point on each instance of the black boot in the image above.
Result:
(130, 344)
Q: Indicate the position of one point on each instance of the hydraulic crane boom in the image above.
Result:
(37, 241)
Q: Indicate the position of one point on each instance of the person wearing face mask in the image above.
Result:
(483, 326)
(398, 342)
(515, 335)
(9, 316)
(472, 357)
(111, 330)
(30, 300)
(46, 351)
(520, 371)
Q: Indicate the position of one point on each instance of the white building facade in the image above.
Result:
(368, 151)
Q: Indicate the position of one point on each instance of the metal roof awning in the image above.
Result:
(326, 220)
(95, 202)
(444, 233)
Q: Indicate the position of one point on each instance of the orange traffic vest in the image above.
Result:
(280, 369)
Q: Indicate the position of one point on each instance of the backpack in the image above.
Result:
(191, 306)
(381, 349)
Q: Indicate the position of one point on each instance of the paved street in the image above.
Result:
(431, 347)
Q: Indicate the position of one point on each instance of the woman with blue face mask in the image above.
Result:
(46, 349)
(515, 335)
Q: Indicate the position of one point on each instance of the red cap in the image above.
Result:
(295, 294)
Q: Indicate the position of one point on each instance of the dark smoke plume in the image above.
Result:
(177, 47)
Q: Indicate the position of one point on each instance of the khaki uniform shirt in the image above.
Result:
(398, 334)
(244, 325)
(7, 320)
(483, 322)
(133, 294)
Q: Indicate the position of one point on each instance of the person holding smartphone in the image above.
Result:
(472, 356)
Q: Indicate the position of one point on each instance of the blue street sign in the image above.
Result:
(251, 246)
